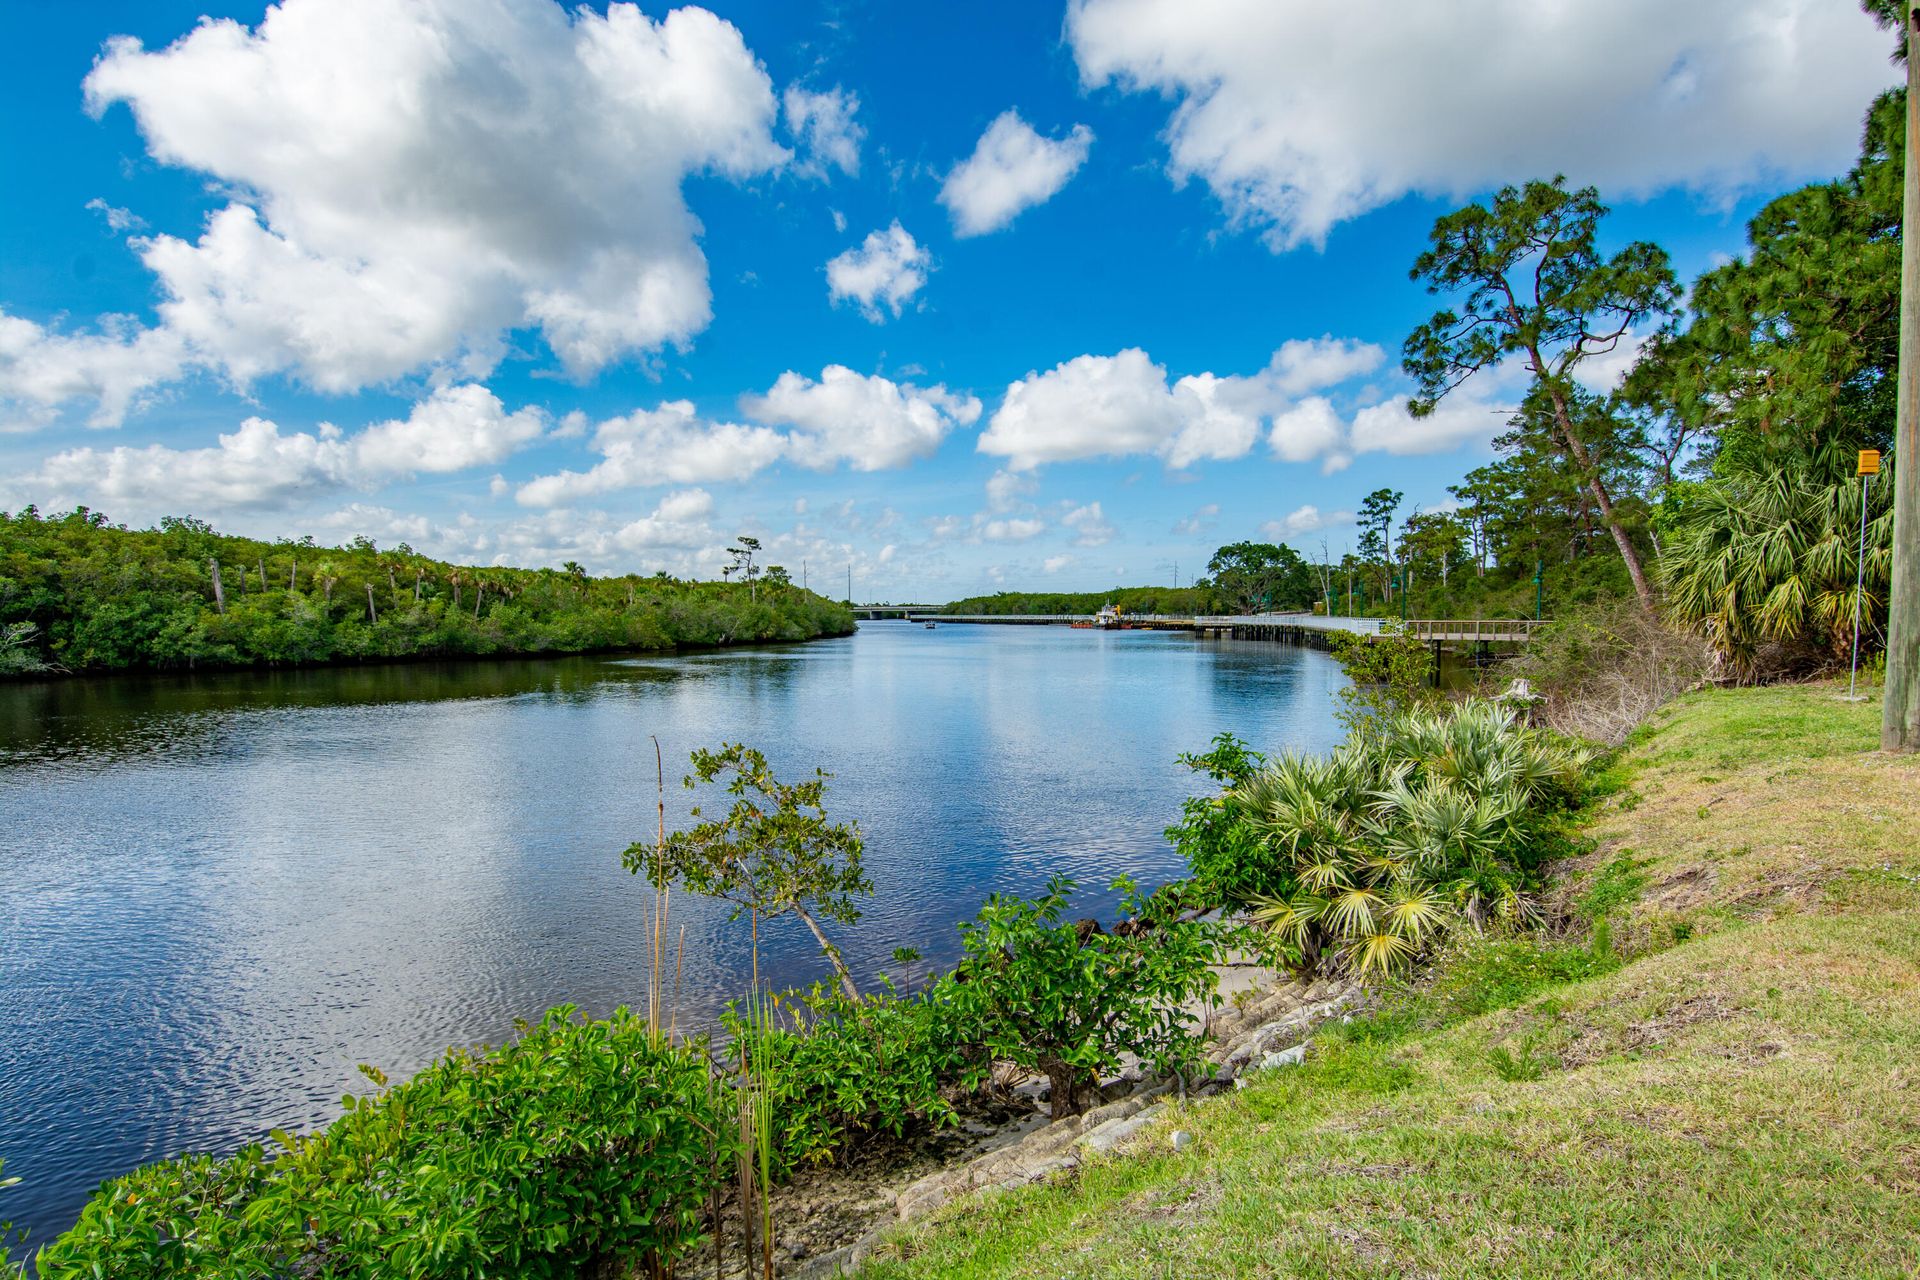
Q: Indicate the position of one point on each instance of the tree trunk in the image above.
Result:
(372, 617)
(1066, 1096)
(219, 592)
(418, 576)
(264, 588)
(479, 594)
(1598, 488)
(832, 952)
(293, 576)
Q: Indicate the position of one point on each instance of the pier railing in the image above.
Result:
(1473, 630)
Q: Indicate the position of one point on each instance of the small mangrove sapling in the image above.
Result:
(773, 853)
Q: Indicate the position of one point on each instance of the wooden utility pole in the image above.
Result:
(1900, 711)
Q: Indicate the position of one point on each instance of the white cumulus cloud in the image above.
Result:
(667, 445)
(1465, 417)
(680, 520)
(118, 220)
(410, 180)
(869, 422)
(113, 370)
(1301, 115)
(1012, 168)
(258, 466)
(1114, 406)
(1303, 520)
(1200, 521)
(1087, 407)
(881, 273)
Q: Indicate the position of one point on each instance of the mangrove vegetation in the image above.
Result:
(81, 594)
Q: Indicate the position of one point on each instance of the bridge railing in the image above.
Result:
(1304, 621)
(1490, 630)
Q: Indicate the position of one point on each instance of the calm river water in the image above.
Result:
(223, 892)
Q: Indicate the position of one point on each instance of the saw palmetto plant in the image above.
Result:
(1766, 565)
(1384, 845)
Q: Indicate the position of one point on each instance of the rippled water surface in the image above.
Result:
(223, 892)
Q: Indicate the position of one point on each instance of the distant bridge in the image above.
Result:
(1299, 627)
(895, 610)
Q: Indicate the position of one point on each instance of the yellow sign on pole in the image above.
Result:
(1869, 463)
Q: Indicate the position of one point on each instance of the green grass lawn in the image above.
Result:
(1726, 1083)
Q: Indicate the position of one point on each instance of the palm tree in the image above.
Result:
(327, 576)
(1766, 567)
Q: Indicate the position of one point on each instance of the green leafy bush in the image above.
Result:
(1069, 1000)
(836, 1068)
(1388, 673)
(581, 1144)
(1223, 853)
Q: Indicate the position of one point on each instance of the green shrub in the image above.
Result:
(1223, 853)
(838, 1068)
(772, 853)
(1069, 1001)
(1388, 673)
(581, 1144)
(1364, 856)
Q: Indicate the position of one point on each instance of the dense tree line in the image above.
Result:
(1171, 600)
(1242, 577)
(79, 593)
(1716, 481)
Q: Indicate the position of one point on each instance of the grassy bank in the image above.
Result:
(1709, 1071)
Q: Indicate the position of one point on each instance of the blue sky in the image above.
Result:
(521, 283)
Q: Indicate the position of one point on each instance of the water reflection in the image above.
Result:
(224, 891)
